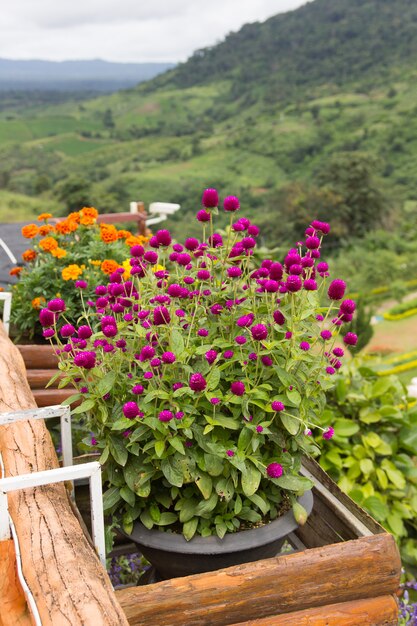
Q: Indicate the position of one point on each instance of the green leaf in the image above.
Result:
(118, 450)
(382, 478)
(251, 478)
(221, 530)
(245, 438)
(293, 483)
(294, 397)
(104, 455)
(106, 384)
(121, 424)
(189, 528)
(187, 511)
(368, 415)
(85, 406)
(176, 443)
(205, 485)
(213, 379)
(110, 498)
(214, 464)
(291, 424)
(408, 437)
(172, 472)
(167, 518)
(395, 476)
(155, 513)
(376, 508)
(396, 524)
(159, 447)
(260, 503)
(146, 519)
(177, 342)
(345, 427)
(206, 507)
(371, 439)
(128, 495)
(381, 386)
(71, 399)
(367, 466)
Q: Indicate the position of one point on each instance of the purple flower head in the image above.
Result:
(330, 370)
(259, 429)
(312, 243)
(214, 401)
(48, 332)
(130, 410)
(147, 352)
(108, 348)
(191, 244)
(278, 318)
(137, 251)
(274, 470)
(180, 313)
(326, 334)
(271, 286)
(293, 283)
(259, 332)
(163, 237)
(197, 382)
(323, 227)
(253, 230)
(102, 302)
(348, 306)
(110, 330)
(100, 290)
(267, 361)
(276, 405)
(138, 390)
(328, 434)
(322, 267)
(94, 441)
(238, 227)
(296, 269)
(81, 284)
(153, 242)
(161, 316)
(168, 357)
(252, 356)
(241, 340)
(248, 243)
(234, 272)
(210, 198)
(84, 390)
(237, 388)
(176, 386)
(179, 415)
(183, 259)
(288, 334)
(245, 320)
(202, 332)
(275, 271)
(228, 354)
(216, 309)
(230, 453)
(304, 345)
(216, 241)
(85, 359)
(310, 284)
(203, 275)
(203, 215)
(155, 363)
(128, 317)
(231, 203)
(46, 317)
(148, 375)
(67, 330)
(338, 352)
(211, 356)
(57, 305)
(188, 280)
(350, 339)
(307, 261)
(151, 256)
(336, 289)
(165, 416)
(319, 317)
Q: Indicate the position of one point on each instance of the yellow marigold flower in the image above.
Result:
(108, 233)
(123, 234)
(59, 253)
(48, 244)
(29, 255)
(44, 216)
(30, 231)
(45, 229)
(109, 266)
(37, 303)
(95, 263)
(127, 267)
(15, 271)
(86, 220)
(89, 211)
(71, 272)
(157, 268)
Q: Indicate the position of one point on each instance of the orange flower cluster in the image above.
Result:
(48, 244)
(109, 266)
(136, 240)
(29, 255)
(71, 272)
(66, 226)
(1, 289)
(45, 229)
(15, 271)
(108, 233)
(44, 216)
(37, 303)
(30, 231)
(59, 253)
(88, 216)
(124, 234)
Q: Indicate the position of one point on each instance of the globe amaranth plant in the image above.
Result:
(73, 250)
(202, 375)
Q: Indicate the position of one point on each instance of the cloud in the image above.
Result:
(126, 30)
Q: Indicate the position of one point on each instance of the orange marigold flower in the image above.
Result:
(89, 211)
(108, 233)
(37, 303)
(136, 240)
(48, 244)
(109, 266)
(87, 220)
(71, 272)
(15, 271)
(123, 234)
(1, 288)
(30, 231)
(46, 229)
(59, 253)
(29, 255)
(44, 216)
(66, 227)
(74, 216)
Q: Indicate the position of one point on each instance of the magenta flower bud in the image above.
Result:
(245, 320)
(67, 330)
(348, 306)
(330, 370)
(259, 429)
(277, 406)
(100, 290)
(176, 386)
(179, 415)
(326, 334)
(48, 333)
(322, 267)
(319, 317)
(46, 317)
(137, 250)
(94, 441)
(183, 259)
(147, 352)
(274, 470)
(310, 284)
(328, 434)
(148, 375)
(252, 356)
(214, 400)
(151, 256)
(138, 390)
(323, 227)
(188, 280)
(210, 198)
(228, 354)
(165, 416)
(350, 339)
(101, 302)
(211, 356)
(110, 331)
(191, 244)
(108, 348)
(161, 316)
(163, 237)
(85, 359)
(259, 332)
(278, 318)
(237, 388)
(203, 215)
(304, 345)
(168, 357)
(234, 272)
(231, 204)
(155, 362)
(293, 283)
(230, 453)
(202, 332)
(312, 243)
(336, 289)
(240, 340)
(253, 230)
(267, 361)
(338, 352)
(57, 305)
(288, 334)
(271, 286)
(296, 269)
(275, 271)
(216, 309)
(248, 243)
(81, 284)
(177, 247)
(307, 261)
(203, 275)
(197, 382)
(130, 410)
(153, 242)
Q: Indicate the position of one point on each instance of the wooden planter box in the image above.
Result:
(344, 569)
(41, 364)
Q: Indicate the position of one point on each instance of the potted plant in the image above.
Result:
(202, 376)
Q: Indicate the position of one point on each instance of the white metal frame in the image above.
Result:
(160, 210)
(7, 250)
(7, 297)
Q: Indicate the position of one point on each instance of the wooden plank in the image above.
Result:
(38, 357)
(381, 611)
(68, 583)
(364, 568)
(13, 607)
(39, 378)
(49, 397)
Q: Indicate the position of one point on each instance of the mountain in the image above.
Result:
(93, 75)
(286, 114)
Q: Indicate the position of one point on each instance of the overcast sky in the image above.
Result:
(124, 30)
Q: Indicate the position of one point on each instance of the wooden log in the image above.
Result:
(364, 568)
(49, 397)
(68, 583)
(38, 357)
(382, 611)
(13, 607)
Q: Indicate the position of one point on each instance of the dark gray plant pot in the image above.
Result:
(173, 556)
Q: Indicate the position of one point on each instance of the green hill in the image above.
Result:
(265, 115)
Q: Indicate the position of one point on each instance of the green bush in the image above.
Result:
(403, 307)
(372, 455)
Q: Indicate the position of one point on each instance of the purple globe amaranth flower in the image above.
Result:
(328, 434)
(168, 357)
(211, 356)
(293, 283)
(121, 343)
(267, 361)
(231, 204)
(197, 382)
(85, 359)
(252, 356)
(278, 318)
(310, 284)
(348, 307)
(248, 243)
(47, 317)
(210, 198)
(238, 227)
(191, 244)
(240, 340)
(323, 227)
(214, 401)
(203, 215)
(312, 243)
(84, 332)
(100, 290)
(180, 313)
(288, 334)
(216, 241)
(179, 415)
(108, 348)
(176, 386)
(161, 316)
(319, 317)
(230, 453)
(94, 441)
(102, 302)
(228, 354)
(216, 309)
(148, 375)
(165, 416)
(84, 390)
(237, 388)
(48, 333)
(276, 405)
(183, 259)
(81, 284)
(202, 332)
(130, 410)
(330, 370)
(57, 305)
(163, 237)
(304, 345)
(110, 330)
(259, 429)
(147, 352)
(245, 320)
(138, 390)
(307, 261)
(203, 275)
(336, 289)
(234, 272)
(276, 271)
(253, 230)
(151, 256)
(338, 352)
(322, 267)
(274, 470)
(155, 363)
(326, 334)
(67, 330)
(350, 339)
(137, 250)
(259, 332)
(296, 269)
(271, 286)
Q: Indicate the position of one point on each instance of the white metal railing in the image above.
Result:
(7, 250)
(7, 307)
(160, 211)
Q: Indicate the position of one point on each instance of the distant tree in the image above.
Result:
(74, 192)
(108, 120)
